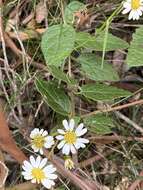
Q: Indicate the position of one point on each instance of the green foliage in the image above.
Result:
(135, 52)
(99, 124)
(71, 9)
(102, 92)
(59, 74)
(57, 43)
(54, 96)
(91, 67)
(60, 42)
(86, 40)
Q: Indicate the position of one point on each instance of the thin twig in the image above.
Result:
(112, 138)
(93, 159)
(129, 121)
(138, 102)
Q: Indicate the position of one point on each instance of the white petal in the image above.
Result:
(79, 131)
(27, 165)
(125, 11)
(62, 132)
(35, 148)
(41, 151)
(77, 145)
(52, 176)
(33, 161)
(59, 137)
(41, 131)
(34, 132)
(61, 144)
(82, 145)
(27, 176)
(23, 167)
(45, 133)
(131, 15)
(43, 162)
(25, 173)
(139, 12)
(82, 140)
(135, 15)
(48, 183)
(127, 5)
(79, 128)
(38, 161)
(49, 139)
(49, 144)
(73, 150)
(66, 149)
(71, 124)
(49, 169)
(66, 125)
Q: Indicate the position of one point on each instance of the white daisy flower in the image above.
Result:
(70, 137)
(38, 171)
(40, 140)
(135, 7)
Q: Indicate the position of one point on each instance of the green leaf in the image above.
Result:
(102, 92)
(86, 40)
(55, 97)
(135, 51)
(99, 124)
(59, 74)
(57, 43)
(71, 9)
(91, 67)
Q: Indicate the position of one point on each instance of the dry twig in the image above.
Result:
(138, 102)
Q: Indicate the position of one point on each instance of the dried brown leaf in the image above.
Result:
(7, 142)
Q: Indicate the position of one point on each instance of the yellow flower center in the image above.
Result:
(38, 174)
(135, 4)
(38, 141)
(70, 137)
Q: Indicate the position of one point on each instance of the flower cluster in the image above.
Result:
(134, 8)
(36, 169)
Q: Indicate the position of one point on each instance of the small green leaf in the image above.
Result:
(91, 67)
(71, 9)
(54, 96)
(57, 43)
(59, 74)
(103, 92)
(135, 51)
(99, 124)
(86, 40)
